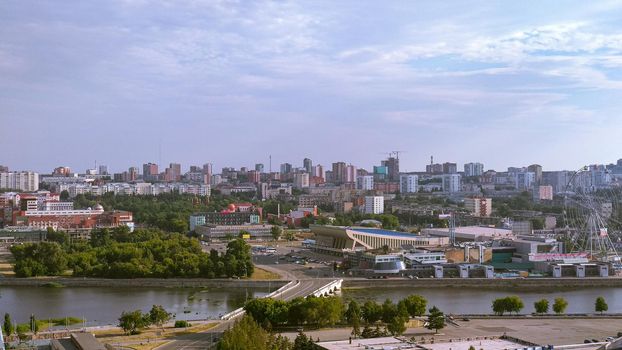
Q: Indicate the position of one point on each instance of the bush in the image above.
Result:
(182, 324)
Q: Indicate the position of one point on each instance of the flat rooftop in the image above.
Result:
(391, 343)
(379, 231)
(474, 231)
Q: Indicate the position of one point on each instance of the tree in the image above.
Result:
(276, 232)
(131, 322)
(601, 305)
(507, 304)
(302, 342)
(64, 195)
(436, 319)
(499, 306)
(397, 326)
(372, 312)
(415, 305)
(8, 327)
(541, 306)
(560, 305)
(158, 316)
(389, 311)
(353, 317)
(245, 334)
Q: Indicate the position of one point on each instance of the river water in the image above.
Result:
(103, 306)
(478, 301)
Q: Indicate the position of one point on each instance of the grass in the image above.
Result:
(148, 338)
(6, 269)
(261, 274)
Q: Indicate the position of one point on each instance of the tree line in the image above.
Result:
(118, 253)
(514, 304)
(317, 312)
(246, 333)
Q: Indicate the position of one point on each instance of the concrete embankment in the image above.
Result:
(480, 283)
(142, 282)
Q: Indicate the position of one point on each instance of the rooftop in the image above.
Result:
(379, 231)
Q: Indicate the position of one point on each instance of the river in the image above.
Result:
(103, 306)
(478, 301)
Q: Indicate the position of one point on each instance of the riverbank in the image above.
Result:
(141, 282)
(526, 284)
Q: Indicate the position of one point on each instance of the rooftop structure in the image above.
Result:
(471, 233)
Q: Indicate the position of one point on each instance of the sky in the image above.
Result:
(126, 82)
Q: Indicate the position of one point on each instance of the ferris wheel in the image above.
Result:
(593, 214)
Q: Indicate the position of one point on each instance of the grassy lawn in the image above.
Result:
(148, 338)
(261, 274)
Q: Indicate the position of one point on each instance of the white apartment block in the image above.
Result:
(374, 205)
(473, 169)
(26, 181)
(409, 183)
(365, 183)
(451, 183)
(301, 180)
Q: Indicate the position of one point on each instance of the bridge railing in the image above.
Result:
(240, 311)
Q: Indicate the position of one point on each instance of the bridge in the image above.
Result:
(294, 289)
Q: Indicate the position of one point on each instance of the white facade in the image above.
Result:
(524, 180)
(365, 183)
(451, 183)
(473, 169)
(374, 205)
(301, 180)
(27, 181)
(409, 183)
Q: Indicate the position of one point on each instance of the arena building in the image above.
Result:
(339, 239)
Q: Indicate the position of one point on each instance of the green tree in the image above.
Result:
(131, 322)
(158, 316)
(64, 195)
(389, 311)
(499, 306)
(353, 317)
(372, 312)
(601, 305)
(245, 334)
(541, 306)
(560, 305)
(436, 319)
(415, 305)
(514, 304)
(8, 327)
(397, 326)
(276, 232)
(302, 342)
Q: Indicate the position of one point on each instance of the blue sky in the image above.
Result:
(231, 82)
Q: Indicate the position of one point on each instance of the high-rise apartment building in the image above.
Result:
(374, 205)
(473, 169)
(393, 168)
(254, 176)
(365, 183)
(450, 168)
(537, 170)
(339, 172)
(102, 170)
(409, 183)
(451, 183)
(150, 172)
(524, 180)
(20, 180)
(478, 206)
(350, 175)
(172, 173)
(380, 172)
(286, 168)
(259, 168)
(308, 165)
(318, 171)
(545, 193)
(62, 171)
(132, 173)
(301, 180)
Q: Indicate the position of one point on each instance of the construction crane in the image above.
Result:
(397, 153)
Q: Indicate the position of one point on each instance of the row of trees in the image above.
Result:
(515, 304)
(120, 254)
(133, 321)
(328, 311)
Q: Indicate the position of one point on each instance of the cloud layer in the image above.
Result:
(231, 82)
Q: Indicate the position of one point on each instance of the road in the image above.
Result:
(207, 340)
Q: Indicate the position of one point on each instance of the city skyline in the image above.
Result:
(126, 82)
